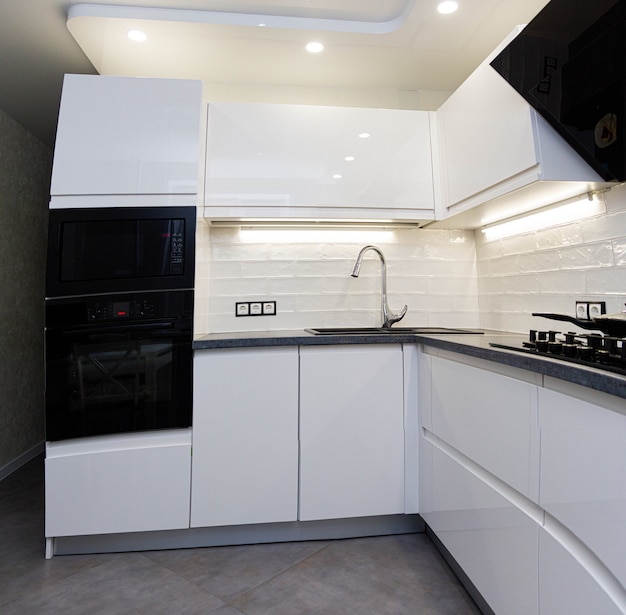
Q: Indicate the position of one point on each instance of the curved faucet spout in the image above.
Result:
(388, 316)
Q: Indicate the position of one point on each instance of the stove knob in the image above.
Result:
(595, 340)
(532, 336)
(570, 338)
(552, 335)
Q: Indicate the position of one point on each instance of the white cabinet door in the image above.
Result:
(268, 160)
(490, 538)
(565, 586)
(492, 144)
(127, 136)
(351, 431)
(490, 418)
(583, 474)
(112, 484)
(245, 436)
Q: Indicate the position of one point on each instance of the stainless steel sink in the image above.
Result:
(391, 331)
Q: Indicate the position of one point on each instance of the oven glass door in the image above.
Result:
(117, 379)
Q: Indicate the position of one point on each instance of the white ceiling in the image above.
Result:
(369, 44)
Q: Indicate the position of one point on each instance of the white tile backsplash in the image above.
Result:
(447, 278)
(548, 270)
(432, 271)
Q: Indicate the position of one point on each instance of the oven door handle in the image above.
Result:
(119, 328)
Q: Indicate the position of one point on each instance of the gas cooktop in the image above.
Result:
(591, 350)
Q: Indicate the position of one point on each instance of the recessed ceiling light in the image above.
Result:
(364, 135)
(349, 158)
(137, 35)
(314, 47)
(447, 7)
(337, 176)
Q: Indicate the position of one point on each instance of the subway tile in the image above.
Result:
(587, 256)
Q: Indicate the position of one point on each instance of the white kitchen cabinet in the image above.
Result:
(125, 138)
(124, 483)
(497, 152)
(491, 418)
(583, 473)
(291, 161)
(351, 431)
(489, 537)
(245, 436)
(565, 586)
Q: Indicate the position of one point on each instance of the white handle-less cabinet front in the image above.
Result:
(127, 136)
(111, 484)
(245, 436)
(351, 431)
(303, 161)
(498, 157)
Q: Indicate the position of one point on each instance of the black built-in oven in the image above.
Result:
(119, 320)
(118, 363)
(120, 249)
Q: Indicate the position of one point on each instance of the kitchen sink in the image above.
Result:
(391, 331)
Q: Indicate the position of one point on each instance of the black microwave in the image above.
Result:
(120, 249)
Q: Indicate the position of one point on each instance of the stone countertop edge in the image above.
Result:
(467, 344)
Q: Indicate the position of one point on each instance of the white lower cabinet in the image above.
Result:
(245, 436)
(490, 538)
(351, 431)
(112, 484)
(583, 473)
(567, 587)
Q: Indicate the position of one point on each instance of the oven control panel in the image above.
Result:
(98, 311)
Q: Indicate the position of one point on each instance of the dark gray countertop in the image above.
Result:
(474, 345)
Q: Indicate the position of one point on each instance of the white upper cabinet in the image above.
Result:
(127, 136)
(491, 144)
(301, 161)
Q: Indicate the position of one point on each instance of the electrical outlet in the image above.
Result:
(256, 308)
(582, 310)
(597, 308)
(242, 309)
(269, 308)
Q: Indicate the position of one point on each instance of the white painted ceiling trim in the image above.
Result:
(291, 22)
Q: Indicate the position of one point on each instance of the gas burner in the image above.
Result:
(589, 349)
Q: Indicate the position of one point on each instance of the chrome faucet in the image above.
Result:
(388, 316)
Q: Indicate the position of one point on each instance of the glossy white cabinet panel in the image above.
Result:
(491, 144)
(493, 541)
(112, 484)
(127, 136)
(245, 438)
(272, 160)
(565, 586)
(351, 431)
(489, 417)
(583, 473)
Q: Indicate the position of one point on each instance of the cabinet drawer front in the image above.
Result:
(490, 418)
(583, 474)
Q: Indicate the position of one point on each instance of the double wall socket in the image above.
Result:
(255, 308)
(585, 310)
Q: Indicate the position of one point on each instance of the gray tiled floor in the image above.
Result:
(365, 576)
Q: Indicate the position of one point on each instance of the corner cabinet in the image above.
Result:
(303, 161)
(351, 431)
(496, 152)
(522, 480)
(136, 139)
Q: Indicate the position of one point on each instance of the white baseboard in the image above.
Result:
(18, 462)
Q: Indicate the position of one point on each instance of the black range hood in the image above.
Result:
(569, 63)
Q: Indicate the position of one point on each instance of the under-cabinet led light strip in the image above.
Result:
(585, 206)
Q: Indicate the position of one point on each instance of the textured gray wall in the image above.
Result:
(25, 164)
